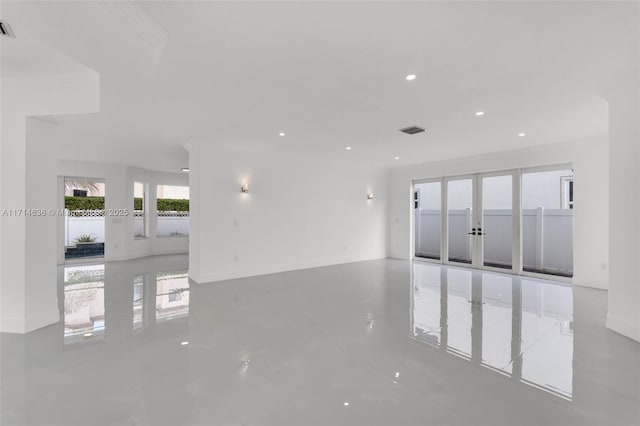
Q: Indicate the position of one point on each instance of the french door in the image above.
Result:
(478, 227)
(518, 221)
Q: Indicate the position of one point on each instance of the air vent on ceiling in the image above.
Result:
(412, 130)
(6, 30)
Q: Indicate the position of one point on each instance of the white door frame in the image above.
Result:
(515, 224)
(444, 238)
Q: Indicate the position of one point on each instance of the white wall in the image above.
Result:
(299, 213)
(624, 292)
(28, 293)
(591, 171)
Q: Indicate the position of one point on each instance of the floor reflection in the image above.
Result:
(83, 304)
(157, 298)
(138, 302)
(172, 298)
(292, 348)
(518, 327)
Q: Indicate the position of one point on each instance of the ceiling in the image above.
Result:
(332, 75)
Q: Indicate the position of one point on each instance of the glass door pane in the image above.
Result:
(497, 221)
(459, 215)
(427, 219)
(547, 222)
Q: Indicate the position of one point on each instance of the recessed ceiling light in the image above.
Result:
(281, 133)
(185, 343)
(397, 158)
(479, 113)
(411, 77)
(184, 169)
(346, 404)
(348, 148)
(522, 135)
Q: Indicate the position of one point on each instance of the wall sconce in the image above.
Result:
(370, 196)
(244, 188)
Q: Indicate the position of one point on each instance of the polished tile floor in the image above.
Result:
(372, 343)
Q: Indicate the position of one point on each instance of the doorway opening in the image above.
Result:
(84, 218)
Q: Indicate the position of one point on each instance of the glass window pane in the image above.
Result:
(172, 211)
(547, 222)
(459, 211)
(497, 221)
(139, 214)
(427, 220)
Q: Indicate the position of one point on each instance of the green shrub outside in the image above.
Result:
(84, 203)
(97, 203)
(171, 205)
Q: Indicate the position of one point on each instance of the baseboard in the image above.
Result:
(267, 270)
(598, 286)
(35, 322)
(173, 251)
(12, 325)
(624, 327)
(122, 258)
(141, 255)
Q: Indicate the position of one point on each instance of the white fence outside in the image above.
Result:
(168, 224)
(172, 224)
(83, 225)
(138, 225)
(547, 237)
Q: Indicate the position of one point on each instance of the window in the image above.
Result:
(172, 211)
(566, 184)
(547, 221)
(427, 219)
(139, 211)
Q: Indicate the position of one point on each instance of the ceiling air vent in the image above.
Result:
(412, 130)
(5, 30)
